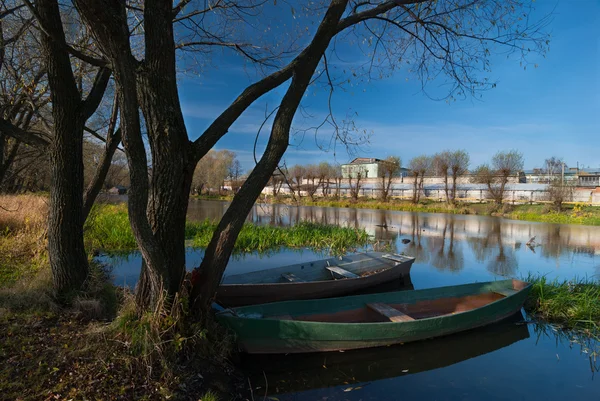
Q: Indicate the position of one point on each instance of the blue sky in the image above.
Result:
(551, 110)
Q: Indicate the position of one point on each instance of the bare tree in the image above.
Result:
(390, 168)
(312, 174)
(495, 177)
(324, 172)
(297, 173)
(276, 182)
(437, 37)
(419, 166)
(336, 174)
(440, 165)
(553, 166)
(459, 166)
(235, 172)
(355, 181)
(558, 193)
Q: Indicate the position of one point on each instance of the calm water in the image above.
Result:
(510, 360)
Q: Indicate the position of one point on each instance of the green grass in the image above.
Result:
(303, 235)
(406, 206)
(571, 303)
(108, 229)
(572, 214)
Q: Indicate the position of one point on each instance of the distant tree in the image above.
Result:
(390, 168)
(212, 171)
(324, 172)
(297, 174)
(355, 181)
(496, 176)
(276, 182)
(336, 175)
(440, 165)
(558, 193)
(419, 166)
(459, 165)
(553, 166)
(313, 183)
(235, 173)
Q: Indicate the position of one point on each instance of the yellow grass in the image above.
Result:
(23, 213)
(22, 237)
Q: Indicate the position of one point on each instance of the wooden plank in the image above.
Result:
(392, 314)
(507, 292)
(291, 277)
(395, 258)
(341, 272)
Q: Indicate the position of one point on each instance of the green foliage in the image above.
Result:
(108, 229)
(304, 234)
(571, 214)
(572, 303)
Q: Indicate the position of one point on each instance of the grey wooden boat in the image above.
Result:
(318, 279)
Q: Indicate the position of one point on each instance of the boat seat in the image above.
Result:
(393, 314)
(292, 278)
(342, 272)
(507, 292)
(395, 258)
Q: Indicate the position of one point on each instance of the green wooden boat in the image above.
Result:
(331, 277)
(372, 320)
(294, 373)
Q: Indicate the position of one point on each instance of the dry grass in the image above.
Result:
(23, 213)
(22, 239)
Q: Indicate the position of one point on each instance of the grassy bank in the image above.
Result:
(573, 304)
(571, 213)
(95, 347)
(108, 229)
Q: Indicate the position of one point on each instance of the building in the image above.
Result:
(117, 190)
(368, 168)
(540, 176)
(583, 177)
(588, 177)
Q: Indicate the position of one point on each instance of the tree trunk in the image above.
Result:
(66, 251)
(415, 197)
(446, 188)
(219, 250)
(454, 177)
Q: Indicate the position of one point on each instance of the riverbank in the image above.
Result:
(97, 348)
(571, 213)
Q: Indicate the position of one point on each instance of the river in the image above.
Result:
(511, 359)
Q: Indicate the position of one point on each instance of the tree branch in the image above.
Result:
(28, 137)
(91, 103)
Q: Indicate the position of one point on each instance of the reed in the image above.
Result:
(571, 303)
(259, 238)
(108, 229)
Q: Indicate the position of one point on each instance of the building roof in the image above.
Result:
(365, 160)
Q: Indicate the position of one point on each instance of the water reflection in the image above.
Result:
(466, 247)
(294, 373)
(507, 360)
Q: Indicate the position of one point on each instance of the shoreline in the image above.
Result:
(572, 213)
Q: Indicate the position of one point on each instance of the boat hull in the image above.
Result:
(260, 293)
(266, 335)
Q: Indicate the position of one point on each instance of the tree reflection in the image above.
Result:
(415, 247)
(446, 254)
